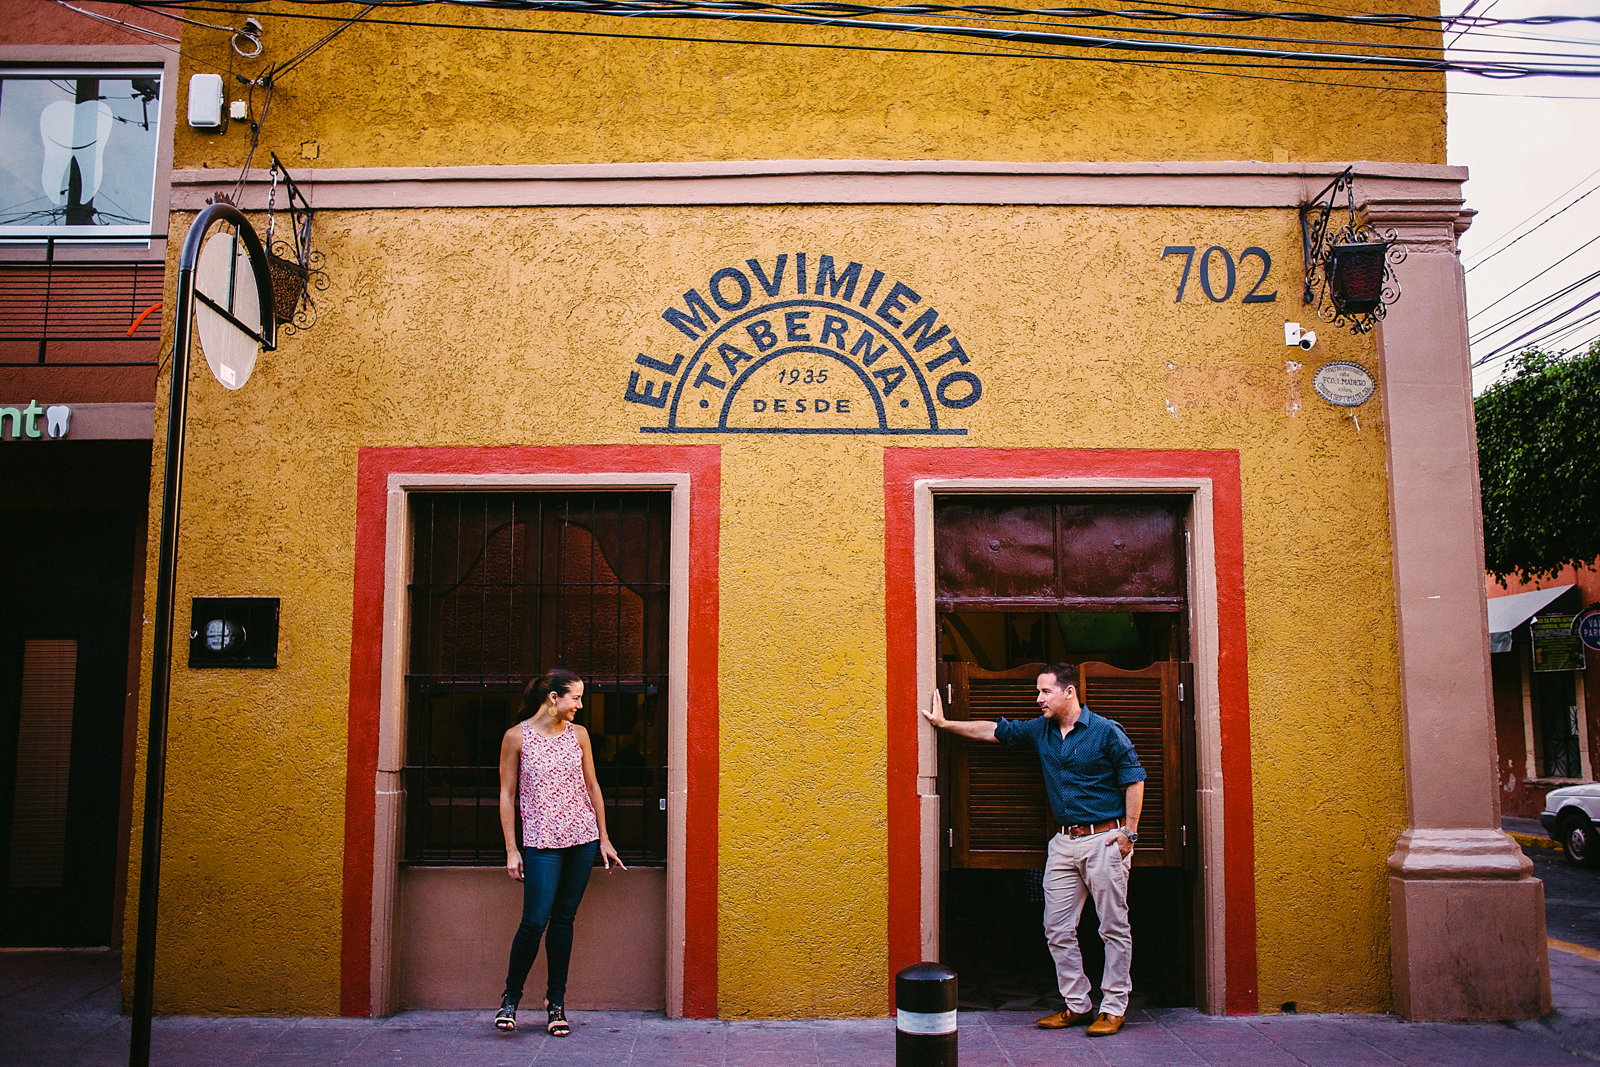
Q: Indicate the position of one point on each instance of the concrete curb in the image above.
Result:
(1532, 840)
(1578, 1032)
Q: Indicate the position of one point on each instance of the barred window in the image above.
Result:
(1556, 708)
(504, 587)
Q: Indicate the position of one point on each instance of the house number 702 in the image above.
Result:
(1208, 279)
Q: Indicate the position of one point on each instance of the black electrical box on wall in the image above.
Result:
(234, 631)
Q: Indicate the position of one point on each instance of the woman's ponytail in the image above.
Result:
(556, 680)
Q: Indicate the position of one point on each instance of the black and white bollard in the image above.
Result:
(925, 1016)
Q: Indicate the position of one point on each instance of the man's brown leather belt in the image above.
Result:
(1085, 829)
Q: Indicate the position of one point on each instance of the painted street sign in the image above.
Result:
(801, 344)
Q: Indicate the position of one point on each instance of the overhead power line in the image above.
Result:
(1529, 340)
(145, 30)
(1531, 309)
(279, 69)
(808, 14)
(1532, 214)
(1507, 295)
(1522, 340)
(1551, 341)
(1532, 229)
(1581, 326)
(838, 9)
(1464, 12)
(1586, 345)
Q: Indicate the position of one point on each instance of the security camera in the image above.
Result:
(1295, 337)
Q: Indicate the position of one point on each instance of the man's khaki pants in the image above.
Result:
(1078, 868)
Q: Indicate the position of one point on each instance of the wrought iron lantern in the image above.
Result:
(1349, 275)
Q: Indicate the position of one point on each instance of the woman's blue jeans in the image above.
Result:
(553, 881)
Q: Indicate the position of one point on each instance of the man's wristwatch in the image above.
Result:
(1133, 838)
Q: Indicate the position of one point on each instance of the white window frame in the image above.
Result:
(116, 242)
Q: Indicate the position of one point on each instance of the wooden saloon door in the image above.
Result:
(999, 813)
(1042, 554)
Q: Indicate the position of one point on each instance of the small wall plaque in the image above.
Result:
(234, 631)
(1349, 385)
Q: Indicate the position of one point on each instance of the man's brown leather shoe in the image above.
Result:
(1063, 1019)
(1106, 1024)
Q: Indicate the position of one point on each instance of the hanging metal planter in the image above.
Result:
(295, 268)
(288, 286)
(1348, 272)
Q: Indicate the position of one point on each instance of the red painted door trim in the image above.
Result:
(902, 468)
(373, 467)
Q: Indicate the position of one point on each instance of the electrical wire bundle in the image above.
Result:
(1564, 320)
(1163, 36)
(1179, 36)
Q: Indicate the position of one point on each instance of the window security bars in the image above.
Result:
(504, 587)
(1558, 723)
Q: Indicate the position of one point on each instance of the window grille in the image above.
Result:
(504, 587)
(1558, 721)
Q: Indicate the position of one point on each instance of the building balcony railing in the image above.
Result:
(80, 312)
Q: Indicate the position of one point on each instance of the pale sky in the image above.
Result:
(1529, 156)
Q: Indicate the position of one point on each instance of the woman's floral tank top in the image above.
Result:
(556, 810)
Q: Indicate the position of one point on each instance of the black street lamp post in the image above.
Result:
(264, 332)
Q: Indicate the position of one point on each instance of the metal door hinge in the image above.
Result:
(1183, 834)
(949, 693)
(952, 833)
(663, 803)
(1180, 692)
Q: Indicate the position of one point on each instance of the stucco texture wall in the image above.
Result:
(553, 88)
(491, 327)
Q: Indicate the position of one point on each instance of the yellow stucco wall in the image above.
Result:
(386, 96)
(482, 327)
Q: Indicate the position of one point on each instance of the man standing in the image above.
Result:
(1096, 789)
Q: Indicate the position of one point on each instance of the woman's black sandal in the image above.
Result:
(506, 1017)
(557, 1026)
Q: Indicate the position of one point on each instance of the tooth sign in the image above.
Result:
(74, 131)
(56, 418)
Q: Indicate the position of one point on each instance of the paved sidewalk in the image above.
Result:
(59, 1008)
(1575, 995)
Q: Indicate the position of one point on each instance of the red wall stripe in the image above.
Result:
(902, 467)
(374, 465)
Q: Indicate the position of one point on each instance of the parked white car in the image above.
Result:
(1572, 816)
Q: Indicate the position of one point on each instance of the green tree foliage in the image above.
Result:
(1539, 465)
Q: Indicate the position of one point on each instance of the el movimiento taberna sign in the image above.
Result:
(804, 345)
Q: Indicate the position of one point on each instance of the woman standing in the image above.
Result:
(547, 764)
